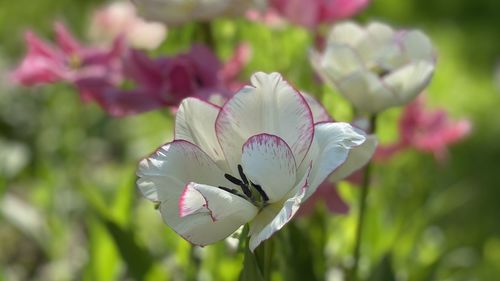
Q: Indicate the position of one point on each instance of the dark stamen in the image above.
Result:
(260, 191)
(227, 189)
(242, 175)
(238, 182)
(232, 191)
(233, 179)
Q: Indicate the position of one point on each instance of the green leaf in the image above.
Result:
(103, 255)
(124, 198)
(138, 259)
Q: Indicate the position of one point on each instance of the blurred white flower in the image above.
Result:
(254, 160)
(176, 12)
(375, 67)
(120, 18)
(14, 157)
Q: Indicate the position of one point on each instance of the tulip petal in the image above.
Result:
(268, 161)
(357, 158)
(332, 145)
(272, 106)
(273, 217)
(339, 61)
(417, 46)
(319, 112)
(409, 81)
(195, 122)
(372, 46)
(164, 174)
(348, 33)
(168, 177)
(206, 214)
(366, 91)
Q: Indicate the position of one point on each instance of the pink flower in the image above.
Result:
(234, 65)
(164, 81)
(315, 12)
(426, 130)
(68, 61)
(270, 17)
(124, 81)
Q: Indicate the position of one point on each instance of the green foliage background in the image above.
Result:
(69, 209)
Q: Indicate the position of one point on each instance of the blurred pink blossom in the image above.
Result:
(269, 17)
(68, 61)
(234, 66)
(120, 18)
(425, 130)
(125, 81)
(163, 81)
(315, 12)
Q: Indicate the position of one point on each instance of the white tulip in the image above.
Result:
(254, 160)
(176, 12)
(375, 67)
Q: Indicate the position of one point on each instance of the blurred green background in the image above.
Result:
(69, 209)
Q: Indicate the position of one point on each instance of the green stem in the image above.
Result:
(194, 264)
(208, 35)
(264, 256)
(365, 188)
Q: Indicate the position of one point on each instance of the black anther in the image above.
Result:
(232, 191)
(242, 175)
(233, 179)
(260, 191)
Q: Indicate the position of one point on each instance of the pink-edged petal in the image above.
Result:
(271, 106)
(332, 147)
(164, 174)
(205, 214)
(319, 112)
(268, 161)
(273, 217)
(219, 204)
(357, 158)
(195, 122)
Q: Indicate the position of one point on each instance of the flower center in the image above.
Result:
(75, 62)
(251, 191)
(379, 70)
